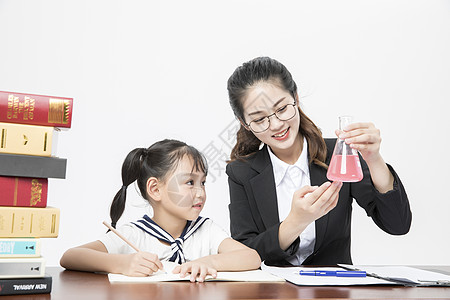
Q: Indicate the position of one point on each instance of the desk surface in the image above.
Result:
(69, 285)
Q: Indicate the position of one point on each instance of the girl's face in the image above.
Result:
(185, 189)
(263, 100)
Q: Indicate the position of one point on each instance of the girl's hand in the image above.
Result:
(310, 203)
(198, 271)
(140, 264)
(363, 137)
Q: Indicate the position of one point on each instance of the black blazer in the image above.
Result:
(254, 217)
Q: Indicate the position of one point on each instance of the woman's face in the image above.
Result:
(263, 100)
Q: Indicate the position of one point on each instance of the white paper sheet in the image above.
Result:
(291, 274)
(167, 275)
(416, 275)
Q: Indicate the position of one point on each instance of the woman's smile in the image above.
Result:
(282, 135)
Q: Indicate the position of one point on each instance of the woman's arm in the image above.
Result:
(93, 257)
(391, 210)
(308, 204)
(278, 242)
(388, 205)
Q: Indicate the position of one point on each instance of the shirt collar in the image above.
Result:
(280, 168)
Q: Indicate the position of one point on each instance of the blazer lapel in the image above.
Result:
(318, 177)
(264, 190)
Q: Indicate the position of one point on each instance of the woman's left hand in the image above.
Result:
(198, 271)
(364, 137)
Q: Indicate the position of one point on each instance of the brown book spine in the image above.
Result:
(35, 109)
(23, 191)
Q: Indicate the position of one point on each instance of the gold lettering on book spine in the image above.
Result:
(12, 222)
(28, 108)
(20, 108)
(53, 225)
(16, 190)
(9, 112)
(45, 142)
(13, 107)
(3, 140)
(31, 109)
(58, 111)
(15, 111)
(36, 192)
(2, 223)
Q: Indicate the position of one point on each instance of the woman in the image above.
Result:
(281, 202)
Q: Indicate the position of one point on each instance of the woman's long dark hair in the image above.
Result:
(156, 161)
(266, 69)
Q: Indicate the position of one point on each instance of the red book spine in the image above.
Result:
(35, 109)
(23, 191)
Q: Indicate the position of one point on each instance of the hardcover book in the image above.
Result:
(29, 222)
(25, 286)
(22, 267)
(23, 191)
(26, 139)
(20, 247)
(35, 109)
(32, 166)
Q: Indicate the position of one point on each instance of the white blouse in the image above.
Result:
(288, 179)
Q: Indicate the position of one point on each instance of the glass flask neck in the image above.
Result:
(344, 121)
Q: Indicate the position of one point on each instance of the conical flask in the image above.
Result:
(345, 165)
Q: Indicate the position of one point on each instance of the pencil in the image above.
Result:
(121, 236)
(126, 241)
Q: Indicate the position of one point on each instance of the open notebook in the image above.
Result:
(167, 275)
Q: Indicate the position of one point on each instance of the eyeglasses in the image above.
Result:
(283, 113)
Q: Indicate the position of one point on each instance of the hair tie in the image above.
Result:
(144, 152)
(124, 188)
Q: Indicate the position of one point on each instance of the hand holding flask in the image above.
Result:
(345, 165)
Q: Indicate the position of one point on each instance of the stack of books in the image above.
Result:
(29, 125)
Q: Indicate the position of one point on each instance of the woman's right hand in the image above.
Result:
(308, 204)
(140, 264)
(312, 202)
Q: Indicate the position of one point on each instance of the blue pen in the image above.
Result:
(334, 273)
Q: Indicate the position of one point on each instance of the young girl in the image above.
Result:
(281, 202)
(171, 176)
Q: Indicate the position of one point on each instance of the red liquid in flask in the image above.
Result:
(349, 172)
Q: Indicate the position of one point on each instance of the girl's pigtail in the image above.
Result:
(130, 172)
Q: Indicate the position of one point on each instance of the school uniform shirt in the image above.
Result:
(255, 219)
(203, 242)
(288, 179)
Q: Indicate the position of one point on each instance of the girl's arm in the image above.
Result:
(232, 256)
(94, 257)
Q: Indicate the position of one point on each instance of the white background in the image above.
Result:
(141, 71)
